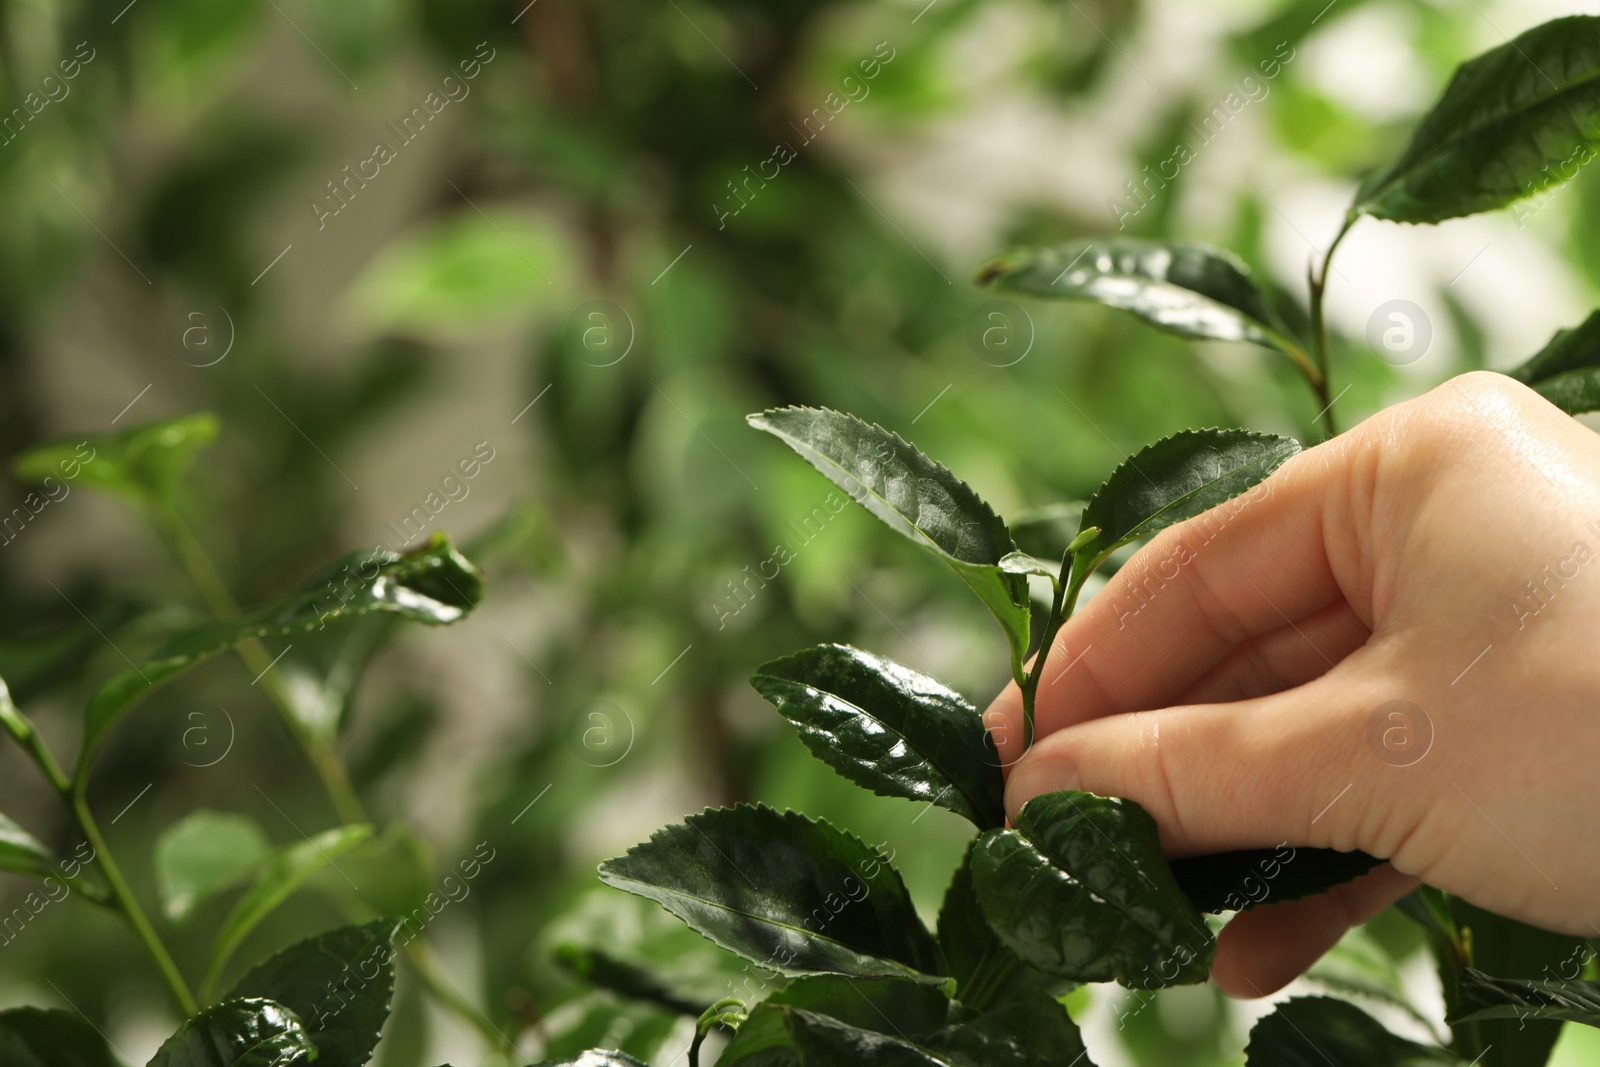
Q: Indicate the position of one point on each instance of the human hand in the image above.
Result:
(1239, 677)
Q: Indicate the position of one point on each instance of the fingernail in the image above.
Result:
(1030, 778)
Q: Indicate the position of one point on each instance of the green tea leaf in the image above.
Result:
(823, 1041)
(1080, 890)
(1483, 996)
(1512, 122)
(888, 728)
(1241, 880)
(23, 853)
(434, 584)
(144, 464)
(238, 1033)
(282, 875)
(321, 671)
(1031, 1029)
(985, 970)
(1566, 371)
(1325, 1032)
(793, 894)
(915, 497)
(204, 854)
(1180, 287)
(881, 1005)
(339, 985)
(1175, 479)
(43, 1037)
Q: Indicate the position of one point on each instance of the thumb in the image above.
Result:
(1291, 767)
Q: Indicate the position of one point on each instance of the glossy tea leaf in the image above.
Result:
(1246, 878)
(238, 1033)
(1325, 1032)
(49, 1037)
(1512, 122)
(1181, 287)
(1079, 889)
(1566, 371)
(1484, 996)
(792, 894)
(1175, 479)
(338, 983)
(915, 497)
(888, 728)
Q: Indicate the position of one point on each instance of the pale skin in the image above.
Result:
(1231, 693)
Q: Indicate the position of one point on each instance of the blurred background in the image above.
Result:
(583, 240)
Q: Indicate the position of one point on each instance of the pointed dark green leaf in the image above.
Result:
(1512, 122)
(1566, 371)
(1192, 290)
(281, 876)
(1031, 1029)
(1175, 479)
(144, 463)
(45, 1037)
(23, 853)
(882, 1005)
(434, 584)
(1325, 1032)
(1241, 880)
(914, 496)
(823, 1041)
(792, 894)
(338, 983)
(238, 1033)
(1080, 890)
(888, 728)
(985, 970)
(202, 855)
(1483, 996)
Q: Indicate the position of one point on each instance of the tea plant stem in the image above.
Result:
(1061, 608)
(1317, 281)
(729, 1011)
(335, 779)
(128, 905)
(429, 971)
(214, 591)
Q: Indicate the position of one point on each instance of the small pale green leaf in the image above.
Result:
(392, 872)
(203, 855)
(1192, 290)
(282, 875)
(1483, 996)
(793, 894)
(23, 853)
(339, 985)
(1175, 479)
(915, 497)
(888, 728)
(145, 463)
(596, 1058)
(1080, 890)
(1513, 122)
(238, 1033)
(1566, 371)
(44, 1037)
(1325, 1032)
(1024, 564)
(1241, 880)
(434, 584)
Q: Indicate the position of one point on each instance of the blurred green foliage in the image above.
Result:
(546, 265)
